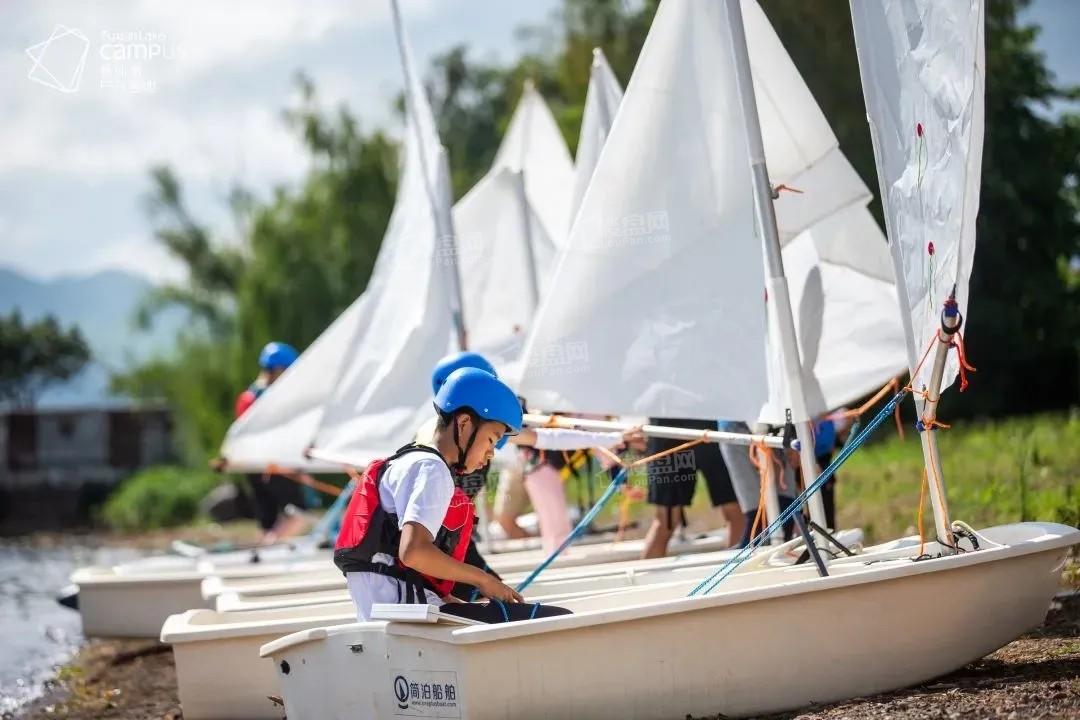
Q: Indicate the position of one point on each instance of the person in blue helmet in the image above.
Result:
(408, 526)
(272, 495)
(521, 476)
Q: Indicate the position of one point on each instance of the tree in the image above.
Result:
(213, 269)
(312, 248)
(36, 355)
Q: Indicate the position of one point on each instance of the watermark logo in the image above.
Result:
(562, 358)
(126, 59)
(603, 235)
(59, 61)
(462, 249)
(128, 56)
(678, 467)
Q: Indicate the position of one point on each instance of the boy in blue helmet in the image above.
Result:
(272, 495)
(408, 526)
(514, 490)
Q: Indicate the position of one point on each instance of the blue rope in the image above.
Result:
(502, 606)
(585, 522)
(328, 523)
(536, 608)
(709, 584)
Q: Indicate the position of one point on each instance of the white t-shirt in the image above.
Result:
(416, 487)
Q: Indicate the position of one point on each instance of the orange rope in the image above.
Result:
(303, 479)
(893, 385)
(656, 456)
(961, 354)
(760, 455)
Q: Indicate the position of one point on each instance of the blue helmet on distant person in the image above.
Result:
(457, 361)
(277, 356)
(483, 394)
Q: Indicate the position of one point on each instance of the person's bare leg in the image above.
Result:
(509, 525)
(659, 534)
(736, 522)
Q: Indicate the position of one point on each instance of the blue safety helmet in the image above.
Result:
(277, 355)
(484, 395)
(456, 361)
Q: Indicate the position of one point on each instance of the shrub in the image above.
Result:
(158, 497)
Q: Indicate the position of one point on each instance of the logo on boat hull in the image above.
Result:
(401, 692)
(425, 693)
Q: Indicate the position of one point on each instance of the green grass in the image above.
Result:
(1022, 468)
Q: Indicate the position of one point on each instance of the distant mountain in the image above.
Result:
(102, 305)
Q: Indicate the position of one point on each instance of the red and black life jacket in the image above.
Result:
(367, 529)
(247, 398)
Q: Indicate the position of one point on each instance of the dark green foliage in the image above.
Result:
(36, 355)
(158, 497)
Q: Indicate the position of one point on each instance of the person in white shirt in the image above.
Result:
(409, 524)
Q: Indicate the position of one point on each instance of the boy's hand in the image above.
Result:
(495, 590)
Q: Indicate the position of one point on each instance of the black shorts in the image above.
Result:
(672, 479)
(270, 497)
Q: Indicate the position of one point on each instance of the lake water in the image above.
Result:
(36, 633)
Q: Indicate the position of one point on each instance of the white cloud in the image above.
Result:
(75, 165)
(136, 254)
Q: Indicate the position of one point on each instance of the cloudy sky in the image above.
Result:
(75, 147)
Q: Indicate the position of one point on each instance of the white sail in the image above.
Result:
(655, 307)
(923, 68)
(493, 255)
(278, 428)
(498, 256)
(844, 302)
(800, 148)
(360, 383)
(534, 144)
(384, 391)
(602, 100)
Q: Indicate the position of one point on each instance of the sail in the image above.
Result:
(801, 150)
(602, 101)
(655, 308)
(356, 391)
(499, 256)
(534, 144)
(384, 391)
(278, 428)
(846, 311)
(497, 264)
(923, 69)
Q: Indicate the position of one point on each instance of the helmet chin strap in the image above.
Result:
(459, 466)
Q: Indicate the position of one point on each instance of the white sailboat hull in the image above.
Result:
(115, 602)
(319, 588)
(129, 601)
(219, 673)
(655, 653)
(508, 565)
